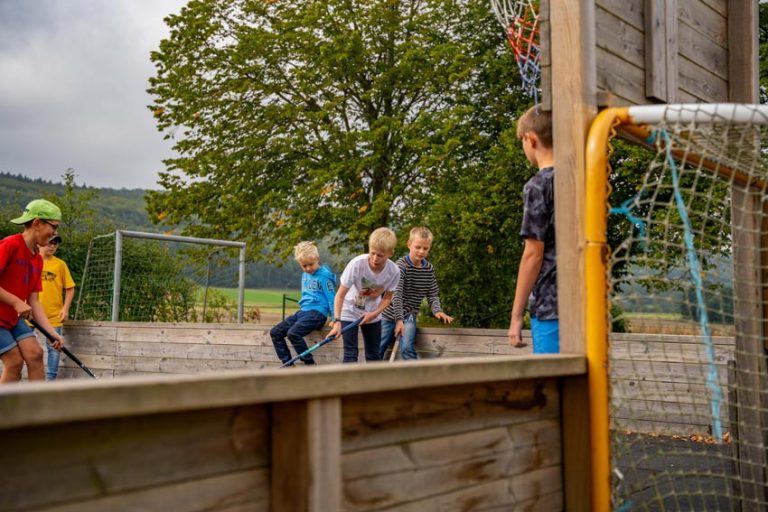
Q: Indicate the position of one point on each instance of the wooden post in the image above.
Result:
(749, 245)
(306, 455)
(661, 50)
(574, 105)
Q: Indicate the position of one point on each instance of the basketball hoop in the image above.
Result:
(520, 20)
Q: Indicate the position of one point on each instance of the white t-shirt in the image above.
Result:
(366, 287)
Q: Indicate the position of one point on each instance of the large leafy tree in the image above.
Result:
(296, 120)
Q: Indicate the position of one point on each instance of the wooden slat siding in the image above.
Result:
(701, 82)
(661, 43)
(377, 420)
(623, 80)
(399, 449)
(236, 492)
(702, 33)
(97, 462)
(306, 455)
(711, 24)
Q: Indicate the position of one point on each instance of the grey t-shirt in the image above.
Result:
(539, 224)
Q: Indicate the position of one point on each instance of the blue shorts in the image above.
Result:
(9, 338)
(546, 336)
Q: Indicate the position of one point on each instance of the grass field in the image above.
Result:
(268, 301)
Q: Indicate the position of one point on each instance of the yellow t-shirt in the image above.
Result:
(56, 278)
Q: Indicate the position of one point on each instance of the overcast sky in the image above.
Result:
(73, 76)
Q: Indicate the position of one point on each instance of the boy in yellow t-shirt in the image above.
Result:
(56, 297)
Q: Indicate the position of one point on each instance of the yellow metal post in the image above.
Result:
(596, 252)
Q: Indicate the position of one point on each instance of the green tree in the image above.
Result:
(324, 119)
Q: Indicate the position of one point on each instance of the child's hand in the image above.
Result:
(23, 309)
(335, 330)
(515, 334)
(369, 317)
(444, 318)
(399, 328)
(59, 341)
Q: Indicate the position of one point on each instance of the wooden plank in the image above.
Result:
(631, 12)
(708, 22)
(658, 427)
(693, 414)
(669, 352)
(381, 419)
(101, 458)
(536, 490)
(576, 446)
(306, 455)
(616, 36)
(619, 77)
(38, 403)
(545, 62)
(664, 371)
(743, 57)
(243, 491)
(701, 82)
(702, 50)
(661, 42)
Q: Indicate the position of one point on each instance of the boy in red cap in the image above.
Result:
(20, 269)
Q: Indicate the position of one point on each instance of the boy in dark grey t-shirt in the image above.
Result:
(537, 276)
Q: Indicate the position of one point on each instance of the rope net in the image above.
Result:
(686, 279)
(520, 20)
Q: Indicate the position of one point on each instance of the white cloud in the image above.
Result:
(72, 94)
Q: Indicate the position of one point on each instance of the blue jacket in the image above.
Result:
(318, 291)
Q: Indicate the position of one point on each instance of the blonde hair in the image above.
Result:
(536, 121)
(306, 252)
(384, 239)
(422, 232)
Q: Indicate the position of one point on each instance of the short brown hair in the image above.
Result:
(537, 121)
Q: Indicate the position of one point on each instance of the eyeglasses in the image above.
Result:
(54, 226)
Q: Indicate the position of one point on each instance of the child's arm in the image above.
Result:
(530, 265)
(338, 302)
(386, 298)
(433, 297)
(38, 313)
(22, 308)
(69, 294)
(329, 292)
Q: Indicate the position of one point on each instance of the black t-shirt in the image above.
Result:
(539, 224)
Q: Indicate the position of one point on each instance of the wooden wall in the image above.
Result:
(650, 373)
(479, 434)
(700, 34)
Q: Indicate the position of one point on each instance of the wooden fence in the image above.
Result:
(651, 373)
(446, 434)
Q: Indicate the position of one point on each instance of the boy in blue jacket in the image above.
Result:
(318, 289)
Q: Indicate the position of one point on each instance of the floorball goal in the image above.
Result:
(677, 231)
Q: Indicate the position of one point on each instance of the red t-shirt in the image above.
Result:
(20, 272)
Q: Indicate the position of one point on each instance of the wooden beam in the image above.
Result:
(750, 241)
(306, 456)
(661, 50)
(41, 403)
(574, 105)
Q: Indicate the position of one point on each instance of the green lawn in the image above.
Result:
(268, 301)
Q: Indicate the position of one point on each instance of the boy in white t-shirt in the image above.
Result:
(367, 286)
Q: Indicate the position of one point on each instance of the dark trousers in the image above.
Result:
(371, 341)
(295, 327)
